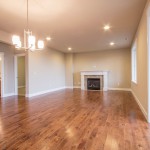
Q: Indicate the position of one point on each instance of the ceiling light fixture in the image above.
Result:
(112, 43)
(69, 48)
(29, 40)
(106, 27)
(48, 38)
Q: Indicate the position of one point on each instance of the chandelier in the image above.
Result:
(29, 40)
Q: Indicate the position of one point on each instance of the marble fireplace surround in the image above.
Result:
(102, 75)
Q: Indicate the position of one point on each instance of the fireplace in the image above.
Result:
(101, 75)
(93, 83)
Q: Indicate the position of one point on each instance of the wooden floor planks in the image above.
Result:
(73, 120)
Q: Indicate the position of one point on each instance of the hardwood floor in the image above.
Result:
(73, 120)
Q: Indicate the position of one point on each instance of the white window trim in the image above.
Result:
(134, 63)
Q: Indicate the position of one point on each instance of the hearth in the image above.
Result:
(93, 83)
(101, 75)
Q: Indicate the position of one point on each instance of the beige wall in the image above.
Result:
(141, 88)
(46, 71)
(118, 62)
(69, 69)
(9, 84)
(21, 71)
(5, 37)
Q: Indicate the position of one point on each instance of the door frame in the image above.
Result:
(2, 74)
(16, 71)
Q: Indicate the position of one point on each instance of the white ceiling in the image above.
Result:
(75, 23)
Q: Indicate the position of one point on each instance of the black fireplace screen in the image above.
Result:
(93, 84)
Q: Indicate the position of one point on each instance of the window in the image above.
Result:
(134, 63)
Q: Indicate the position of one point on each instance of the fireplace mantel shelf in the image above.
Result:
(92, 73)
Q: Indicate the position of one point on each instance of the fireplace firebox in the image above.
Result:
(93, 83)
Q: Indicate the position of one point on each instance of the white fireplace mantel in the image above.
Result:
(95, 73)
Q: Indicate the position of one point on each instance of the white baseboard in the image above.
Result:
(140, 105)
(9, 94)
(73, 87)
(69, 87)
(114, 89)
(44, 92)
(77, 87)
(119, 89)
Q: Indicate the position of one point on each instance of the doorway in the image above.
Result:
(20, 75)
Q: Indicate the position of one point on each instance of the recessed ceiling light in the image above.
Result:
(48, 38)
(112, 43)
(106, 27)
(69, 48)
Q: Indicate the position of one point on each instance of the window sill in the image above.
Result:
(134, 82)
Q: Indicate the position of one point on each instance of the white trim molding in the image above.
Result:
(119, 89)
(73, 87)
(69, 87)
(9, 94)
(77, 87)
(112, 89)
(140, 105)
(44, 92)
